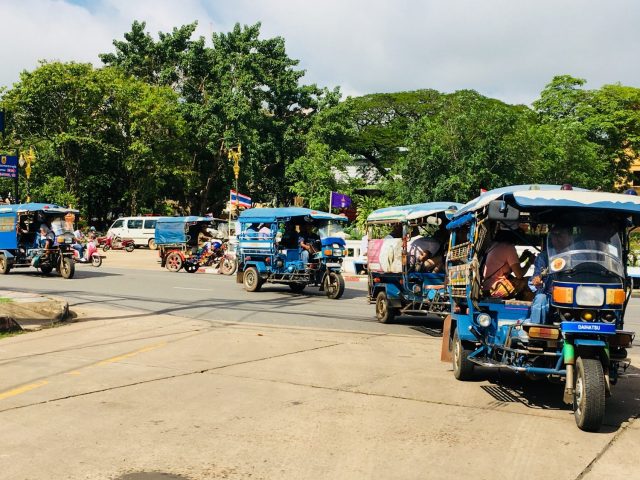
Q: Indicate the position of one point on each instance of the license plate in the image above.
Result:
(333, 265)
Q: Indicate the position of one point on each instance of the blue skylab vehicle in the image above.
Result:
(19, 228)
(270, 249)
(399, 283)
(573, 329)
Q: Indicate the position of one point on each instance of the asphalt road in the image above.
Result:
(215, 297)
(209, 297)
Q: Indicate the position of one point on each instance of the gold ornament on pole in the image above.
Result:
(26, 158)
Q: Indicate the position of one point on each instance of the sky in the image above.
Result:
(506, 49)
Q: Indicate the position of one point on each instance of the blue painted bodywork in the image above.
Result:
(173, 230)
(505, 341)
(411, 292)
(277, 263)
(12, 247)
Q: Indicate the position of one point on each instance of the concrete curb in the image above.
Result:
(33, 312)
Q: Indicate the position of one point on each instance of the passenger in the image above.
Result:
(45, 239)
(503, 271)
(422, 253)
(79, 239)
(289, 236)
(204, 239)
(264, 231)
(306, 241)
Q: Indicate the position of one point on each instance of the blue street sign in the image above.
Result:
(8, 166)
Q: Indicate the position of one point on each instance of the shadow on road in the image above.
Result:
(509, 387)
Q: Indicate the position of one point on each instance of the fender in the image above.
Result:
(9, 256)
(393, 293)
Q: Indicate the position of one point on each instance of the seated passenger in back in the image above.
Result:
(422, 253)
(503, 271)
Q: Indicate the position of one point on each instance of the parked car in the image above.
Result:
(140, 229)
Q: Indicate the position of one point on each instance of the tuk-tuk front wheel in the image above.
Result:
(190, 267)
(589, 394)
(67, 267)
(129, 248)
(384, 312)
(251, 279)
(173, 262)
(4, 265)
(334, 285)
(462, 366)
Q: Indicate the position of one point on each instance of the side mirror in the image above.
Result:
(500, 210)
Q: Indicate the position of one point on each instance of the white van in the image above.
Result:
(140, 229)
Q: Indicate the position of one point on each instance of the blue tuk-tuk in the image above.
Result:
(19, 227)
(269, 249)
(398, 239)
(567, 323)
(178, 248)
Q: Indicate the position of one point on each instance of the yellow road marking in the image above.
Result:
(131, 354)
(75, 372)
(22, 389)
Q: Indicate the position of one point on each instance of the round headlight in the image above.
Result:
(484, 320)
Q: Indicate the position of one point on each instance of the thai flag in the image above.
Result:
(240, 199)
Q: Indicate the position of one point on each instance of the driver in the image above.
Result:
(306, 240)
(560, 239)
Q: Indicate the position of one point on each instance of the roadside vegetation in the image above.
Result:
(150, 131)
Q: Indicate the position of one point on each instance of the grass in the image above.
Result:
(5, 300)
(10, 334)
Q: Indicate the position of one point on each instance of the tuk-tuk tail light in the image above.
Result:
(563, 294)
(545, 333)
(615, 296)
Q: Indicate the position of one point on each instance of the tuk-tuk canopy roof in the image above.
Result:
(536, 197)
(36, 207)
(173, 230)
(405, 213)
(268, 215)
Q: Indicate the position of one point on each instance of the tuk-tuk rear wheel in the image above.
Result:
(384, 312)
(251, 280)
(462, 366)
(173, 262)
(4, 265)
(297, 287)
(129, 248)
(589, 394)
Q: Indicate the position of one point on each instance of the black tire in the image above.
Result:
(297, 287)
(334, 285)
(106, 248)
(46, 270)
(96, 260)
(173, 263)
(384, 312)
(4, 265)
(589, 394)
(228, 266)
(129, 248)
(152, 244)
(462, 366)
(190, 267)
(67, 267)
(251, 280)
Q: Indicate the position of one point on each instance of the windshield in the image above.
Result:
(331, 229)
(571, 245)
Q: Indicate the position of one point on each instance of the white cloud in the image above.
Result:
(503, 48)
